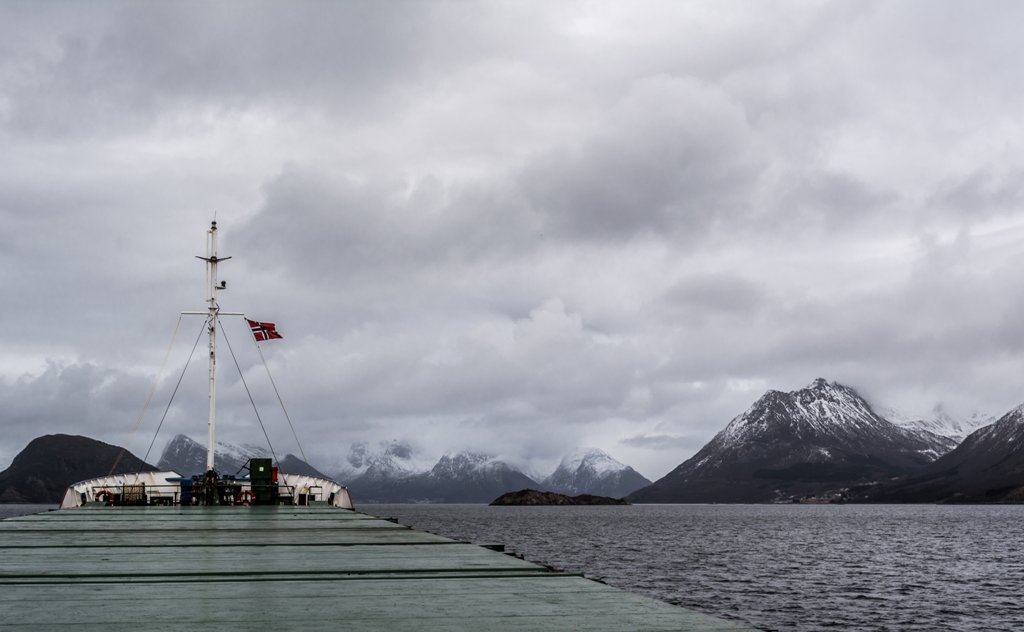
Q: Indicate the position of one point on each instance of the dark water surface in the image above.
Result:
(14, 509)
(776, 567)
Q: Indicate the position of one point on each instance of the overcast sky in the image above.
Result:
(515, 227)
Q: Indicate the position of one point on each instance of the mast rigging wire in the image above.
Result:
(149, 398)
(174, 392)
(248, 392)
(280, 401)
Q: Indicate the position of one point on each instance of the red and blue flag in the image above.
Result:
(263, 331)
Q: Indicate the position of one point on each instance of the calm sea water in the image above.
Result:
(14, 509)
(776, 567)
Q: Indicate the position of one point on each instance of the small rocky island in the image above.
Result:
(534, 497)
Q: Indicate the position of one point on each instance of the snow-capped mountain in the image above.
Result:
(387, 460)
(395, 474)
(822, 437)
(593, 471)
(467, 465)
(392, 471)
(474, 477)
(187, 457)
(939, 422)
(988, 466)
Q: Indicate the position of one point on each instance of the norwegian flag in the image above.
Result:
(263, 331)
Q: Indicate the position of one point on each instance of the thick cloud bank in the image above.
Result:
(516, 228)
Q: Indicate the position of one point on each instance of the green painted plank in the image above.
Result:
(288, 568)
(158, 524)
(450, 604)
(180, 538)
(128, 562)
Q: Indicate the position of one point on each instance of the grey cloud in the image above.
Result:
(314, 220)
(540, 226)
(828, 201)
(673, 156)
(715, 294)
(80, 398)
(545, 365)
(981, 194)
(147, 62)
(663, 442)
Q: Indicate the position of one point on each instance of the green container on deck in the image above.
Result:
(261, 475)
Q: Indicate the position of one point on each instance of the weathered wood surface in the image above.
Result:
(289, 568)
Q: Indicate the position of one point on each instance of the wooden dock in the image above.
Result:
(108, 569)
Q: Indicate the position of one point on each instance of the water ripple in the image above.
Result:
(777, 567)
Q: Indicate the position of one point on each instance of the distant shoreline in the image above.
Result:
(533, 497)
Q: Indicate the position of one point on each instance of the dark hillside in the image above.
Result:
(987, 467)
(48, 465)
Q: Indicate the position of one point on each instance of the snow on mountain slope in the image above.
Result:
(592, 460)
(997, 447)
(820, 437)
(593, 471)
(187, 456)
(396, 475)
(938, 421)
(387, 460)
(987, 466)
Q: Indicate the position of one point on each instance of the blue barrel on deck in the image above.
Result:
(186, 491)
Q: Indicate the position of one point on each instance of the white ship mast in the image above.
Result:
(162, 488)
(213, 312)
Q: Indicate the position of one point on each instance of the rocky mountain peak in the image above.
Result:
(834, 391)
(813, 438)
(185, 455)
(43, 470)
(822, 408)
(361, 456)
(1015, 415)
(820, 383)
(594, 471)
(391, 460)
(939, 421)
(988, 466)
(462, 477)
(393, 472)
(589, 460)
(465, 464)
(1007, 431)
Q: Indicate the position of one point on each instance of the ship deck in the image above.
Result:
(314, 568)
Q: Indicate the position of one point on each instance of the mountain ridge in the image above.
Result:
(593, 471)
(791, 444)
(49, 464)
(988, 466)
(395, 472)
(186, 456)
(462, 477)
